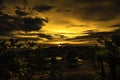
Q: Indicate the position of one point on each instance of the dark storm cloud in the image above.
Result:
(102, 12)
(99, 13)
(60, 35)
(6, 24)
(42, 8)
(104, 34)
(12, 23)
(76, 26)
(49, 37)
(36, 5)
(32, 24)
(89, 32)
(20, 19)
(96, 10)
(40, 35)
(97, 34)
(116, 25)
(24, 7)
(94, 35)
(19, 12)
(63, 10)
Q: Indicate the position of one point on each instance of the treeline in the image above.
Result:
(21, 61)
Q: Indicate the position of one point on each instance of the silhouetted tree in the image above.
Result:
(112, 53)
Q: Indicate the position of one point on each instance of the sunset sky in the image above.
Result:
(60, 21)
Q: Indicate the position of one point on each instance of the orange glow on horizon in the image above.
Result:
(64, 42)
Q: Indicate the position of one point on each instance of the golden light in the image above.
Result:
(59, 43)
(58, 57)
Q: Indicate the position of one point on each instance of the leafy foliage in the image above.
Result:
(111, 53)
(22, 63)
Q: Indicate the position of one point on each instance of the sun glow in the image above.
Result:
(63, 43)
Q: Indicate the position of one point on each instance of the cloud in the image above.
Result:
(20, 16)
(60, 36)
(97, 34)
(89, 32)
(26, 6)
(116, 25)
(42, 8)
(93, 36)
(32, 24)
(67, 16)
(76, 26)
(11, 23)
(34, 35)
(49, 37)
(19, 12)
(94, 10)
(63, 10)
(6, 24)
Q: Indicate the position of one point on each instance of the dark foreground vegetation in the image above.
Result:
(29, 61)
